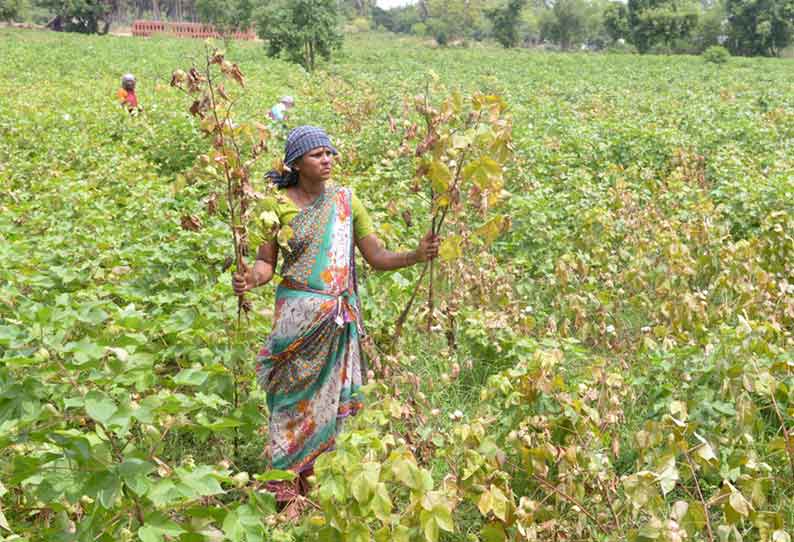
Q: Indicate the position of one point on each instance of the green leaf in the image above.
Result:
(134, 472)
(694, 520)
(191, 377)
(443, 517)
(429, 526)
(669, 475)
(92, 315)
(381, 504)
(358, 532)
(84, 351)
(493, 532)
(365, 482)
(99, 406)
(275, 475)
(199, 482)
(156, 526)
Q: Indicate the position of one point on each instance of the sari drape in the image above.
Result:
(310, 367)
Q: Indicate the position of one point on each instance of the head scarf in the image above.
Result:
(127, 78)
(299, 141)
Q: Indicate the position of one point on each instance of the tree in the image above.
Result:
(300, 29)
(616, 21)
(10, 10)
(655, 22)
(712, 28)
(226, 16)
(506, 20)
(564, 23)
(451, 19)
(82, 16)
(760, 27)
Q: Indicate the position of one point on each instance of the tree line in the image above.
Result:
(306, 29)
(745, 27)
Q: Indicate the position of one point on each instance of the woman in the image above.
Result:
(311, 365)
(126, 93)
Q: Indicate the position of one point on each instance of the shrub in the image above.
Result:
(716, 54)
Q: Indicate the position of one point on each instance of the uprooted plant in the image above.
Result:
(459, 158)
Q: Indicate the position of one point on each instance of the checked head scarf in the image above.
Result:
(299, 141)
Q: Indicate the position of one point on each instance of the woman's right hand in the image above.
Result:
(242, 282)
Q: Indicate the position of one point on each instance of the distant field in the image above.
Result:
(625, 353)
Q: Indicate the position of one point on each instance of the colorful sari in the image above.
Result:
(311, 365)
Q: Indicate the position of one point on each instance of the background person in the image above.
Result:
(126, 93)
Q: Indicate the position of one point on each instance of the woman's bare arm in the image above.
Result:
(381, 259)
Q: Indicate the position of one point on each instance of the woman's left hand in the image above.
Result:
(428, 247)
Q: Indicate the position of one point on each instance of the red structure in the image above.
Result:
(184, 30)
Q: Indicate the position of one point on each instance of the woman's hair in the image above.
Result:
(283, 180)
(299, 141)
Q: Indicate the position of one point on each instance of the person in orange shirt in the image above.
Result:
(126, 93)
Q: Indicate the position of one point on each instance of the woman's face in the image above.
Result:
(316, 164)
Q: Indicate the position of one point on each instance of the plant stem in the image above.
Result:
(229, 185)
(700, 496)
(789, 446)
(570, 499)
(398, 327)
(430, 285)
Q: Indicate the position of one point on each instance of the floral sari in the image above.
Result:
(311, 364)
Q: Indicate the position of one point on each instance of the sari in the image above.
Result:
(310, 367)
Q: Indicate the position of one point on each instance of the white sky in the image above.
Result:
(386, 4)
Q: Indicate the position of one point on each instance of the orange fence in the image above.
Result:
(184, 30)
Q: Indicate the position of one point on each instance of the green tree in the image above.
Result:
(564, 23)
(302, 30)
(712, 27)
(506, 21)
(84, 16)
(10, 10)
(760, 27)
(451, 19)
(225, 15)
(616, 21)
(661, 22)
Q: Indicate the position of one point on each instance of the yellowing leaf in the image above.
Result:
(739, 504)
(451, 248)
(284, 235)
(439, 175)
(489, 231)
(485, 173)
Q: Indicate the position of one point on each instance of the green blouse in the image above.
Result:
(362, 223)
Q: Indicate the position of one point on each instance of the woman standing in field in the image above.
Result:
(311, 365)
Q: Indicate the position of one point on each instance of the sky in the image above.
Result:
(386, 4)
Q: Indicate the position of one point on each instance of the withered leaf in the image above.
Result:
(191, 223)
(222, 92)
(212, 203)
(217, 57)
(427, 144)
